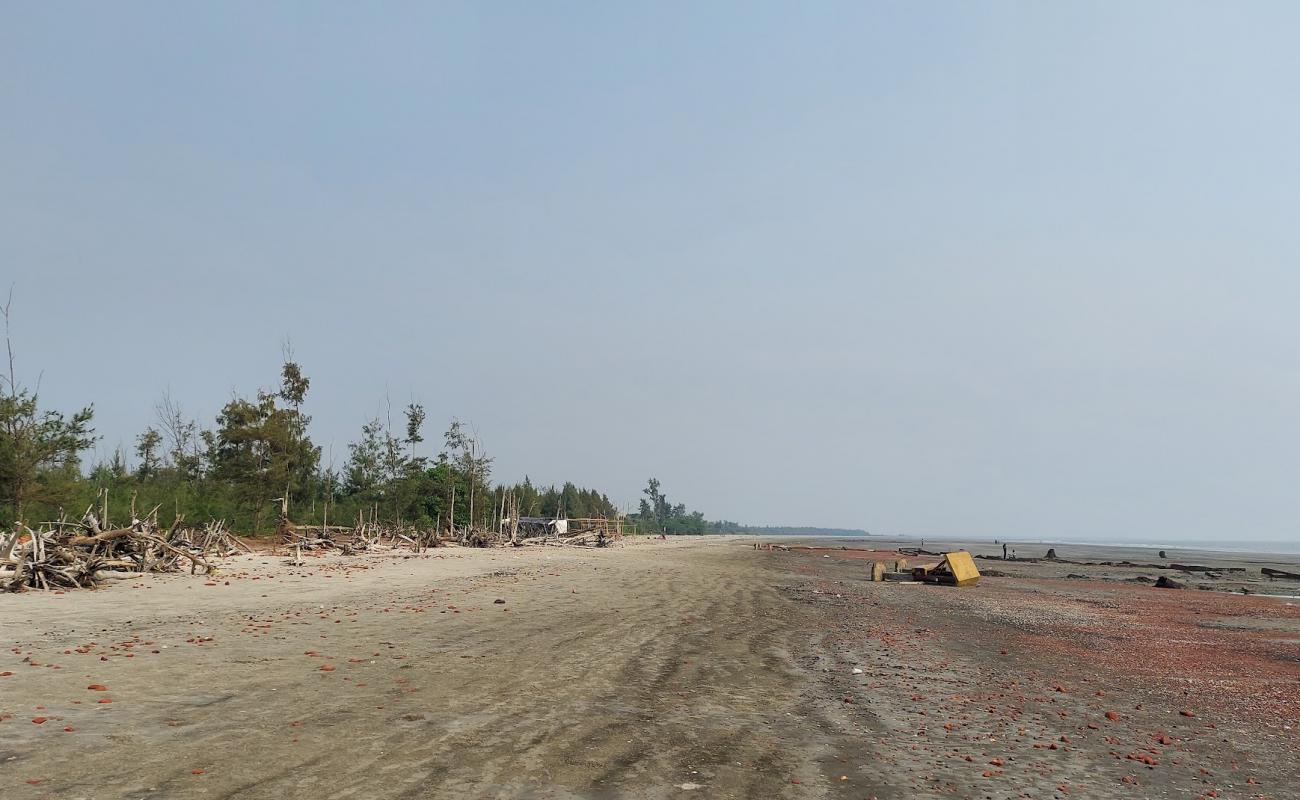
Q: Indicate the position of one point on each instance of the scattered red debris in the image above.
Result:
(1173, 624)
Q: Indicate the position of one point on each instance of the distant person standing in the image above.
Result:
(1004, 551)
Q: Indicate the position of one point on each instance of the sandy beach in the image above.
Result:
(694, 667)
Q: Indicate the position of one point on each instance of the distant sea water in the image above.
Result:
(1216, 546)
(1235, 546)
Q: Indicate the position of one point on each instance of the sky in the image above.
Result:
(990, 269)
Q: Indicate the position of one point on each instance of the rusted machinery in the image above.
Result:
(956, 569)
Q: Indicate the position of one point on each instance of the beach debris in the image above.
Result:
(1051, 554)
(1274, 574)
(1165, 582)
(516, 530)
(367, 536)
(917, 551)
(956, 569)
(72, 555)
(371, 536)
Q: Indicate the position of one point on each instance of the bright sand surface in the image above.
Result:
(687, 667)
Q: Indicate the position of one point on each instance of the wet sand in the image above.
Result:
(686, 668)
(1228, 571)
(1112, 688)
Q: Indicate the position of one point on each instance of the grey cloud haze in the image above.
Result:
(1011, 269)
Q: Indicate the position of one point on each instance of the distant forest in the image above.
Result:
(257, 457)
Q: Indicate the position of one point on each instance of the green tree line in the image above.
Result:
(657, 515)
(257, 458)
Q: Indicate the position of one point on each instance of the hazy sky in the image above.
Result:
(1021, 269)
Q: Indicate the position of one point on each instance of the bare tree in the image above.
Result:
(182, 436)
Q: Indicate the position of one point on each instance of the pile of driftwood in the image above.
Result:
(518, 530)
(75, 555)
(312, 537)
(366, 537)
(591, 538)
(370, 535)
(213, 538)
(515, 535)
